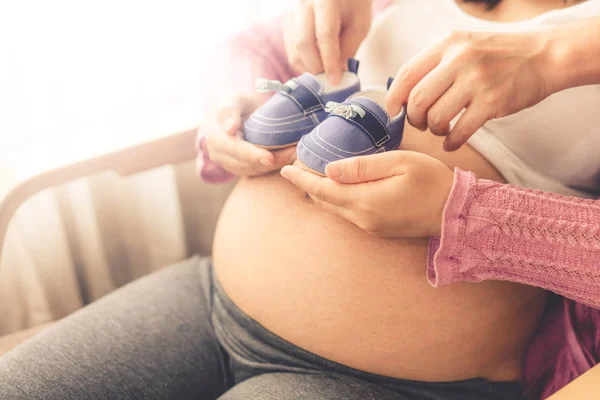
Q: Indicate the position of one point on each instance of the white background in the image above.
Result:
(84, 77)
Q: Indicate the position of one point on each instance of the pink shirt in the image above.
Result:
(490, 231)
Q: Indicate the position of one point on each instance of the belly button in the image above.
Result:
(308, 199)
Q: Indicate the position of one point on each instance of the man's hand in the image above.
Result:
(491, 75)
(321, 35)
(394, 194)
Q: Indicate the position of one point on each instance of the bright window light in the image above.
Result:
(82, 77)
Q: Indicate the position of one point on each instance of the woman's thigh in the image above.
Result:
(151, 339)
(292, 386)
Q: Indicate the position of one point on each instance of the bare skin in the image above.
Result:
(515, 10)
(492, 75)
(327, 286)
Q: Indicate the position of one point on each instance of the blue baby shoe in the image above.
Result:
(358, 126)
(297, 107)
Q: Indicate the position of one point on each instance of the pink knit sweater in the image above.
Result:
(490, 231)
(504, 232)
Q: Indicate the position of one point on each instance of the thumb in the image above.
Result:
(284, 157)
(231, 123)
(410, 74)
(366, 168)
(230, 111)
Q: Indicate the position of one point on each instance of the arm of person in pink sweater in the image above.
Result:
(257, 53)
(493, 231)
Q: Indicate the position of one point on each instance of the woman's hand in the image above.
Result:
(492, 75)
(321, 35)
(228, 149)
(393, 194)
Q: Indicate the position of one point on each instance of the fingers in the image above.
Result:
(231, 109)
(222, 139)
(319, 188)
(306, 44)
(238, 149)
(231, 165)
(242, 158)
(368, 168)
(445, 109)
(284, 157)
(409, 76)
(248, 165)
(290, 35)
(336, 210)
(328, 25)
(425, 94)
(472, 119)
(230, 121)
(315, 40)
(355, 27)
(350, 41)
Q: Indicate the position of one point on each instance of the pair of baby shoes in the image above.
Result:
(327, 123)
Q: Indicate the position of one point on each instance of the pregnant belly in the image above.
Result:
(331, 289)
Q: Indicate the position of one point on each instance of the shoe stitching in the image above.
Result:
(316, 80)
(276, 132)
(279, 124)
(314, 118)
(382, 149)
(363, 93)
(256, 114)
(388, 137)
(306, 111)
(330, 152)
(320, 105)
(295, 101)
(337, 148)
(313, 109)
(320, 120)
(313, 92)
(312, 152)
(362, 128)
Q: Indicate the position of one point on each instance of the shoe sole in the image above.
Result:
(310, 169)
(306, 167)
(270, 148)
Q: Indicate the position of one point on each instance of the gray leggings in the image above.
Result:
(176, 335)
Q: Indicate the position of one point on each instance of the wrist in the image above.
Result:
(558, 58)
(551, 61)
(445, 189)
(573, 55)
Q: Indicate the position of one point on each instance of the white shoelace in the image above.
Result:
(267, 85)
(345, 110)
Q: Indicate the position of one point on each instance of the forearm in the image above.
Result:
(501, 232)
(574, 54)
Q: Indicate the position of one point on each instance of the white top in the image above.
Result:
(553, 146)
